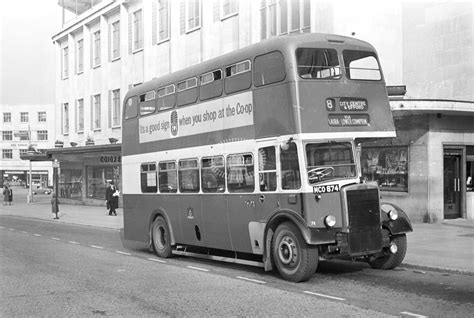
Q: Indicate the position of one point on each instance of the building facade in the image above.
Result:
(107, 47)
(25, 127)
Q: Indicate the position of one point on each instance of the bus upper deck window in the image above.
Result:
(166, 97)
(131, 108)
(147, 103)
(318, 63)
(361, 65)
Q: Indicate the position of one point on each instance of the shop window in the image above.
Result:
(167, 177)
(188, 176)
(213, 174)
(240, 173)
(290, 168)
(97, 177)
(267, 169)
(470, 169)
(388, 166)
(70, 184)
(148, 177)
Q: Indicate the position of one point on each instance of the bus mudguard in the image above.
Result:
(399, 226)
(273, 222)
(159, 212)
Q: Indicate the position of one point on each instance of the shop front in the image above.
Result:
(428, 169)
(84, 172)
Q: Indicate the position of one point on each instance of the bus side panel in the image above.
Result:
(241, 209)
(190, 216)
(136, 217)
(215, 221)
(273, 111)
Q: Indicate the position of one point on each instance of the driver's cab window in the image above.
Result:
(290, 168)
(331, 160)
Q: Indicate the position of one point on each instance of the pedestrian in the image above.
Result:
(111, 197)
(6, 195)
(55, 205)
(10, 196)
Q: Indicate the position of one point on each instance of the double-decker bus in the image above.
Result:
(253, 157)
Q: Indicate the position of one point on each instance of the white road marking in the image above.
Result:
(36, 234)
(325, 296)
(55, 238)
(198, 268)
(156, 260)
(99, 247)
(73, 242)
(123, 253)
(1, 227)
(24, 232)
(12, 229)
(412, 314)
(251, 280)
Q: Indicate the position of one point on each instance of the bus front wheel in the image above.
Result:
(161, 237)
(391, 260)
(294, 259)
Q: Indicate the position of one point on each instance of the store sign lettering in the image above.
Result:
(229, 112)
(110, 159)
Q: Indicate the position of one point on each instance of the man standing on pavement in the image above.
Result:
(111, 197)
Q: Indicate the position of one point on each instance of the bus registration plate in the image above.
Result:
(326, 188)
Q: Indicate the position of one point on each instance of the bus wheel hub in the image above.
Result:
(287, 251)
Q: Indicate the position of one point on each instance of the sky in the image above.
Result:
(27, 64)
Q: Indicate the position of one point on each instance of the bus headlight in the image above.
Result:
(393, 214)
(329, 220)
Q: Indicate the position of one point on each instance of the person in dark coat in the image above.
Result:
(6, 195)
(111, 198)
(10, 196)
(55, 206)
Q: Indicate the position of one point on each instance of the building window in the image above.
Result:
(80, 56)
(24, 117)
(7, 135)
(41, 117)
(115, 40)
(388, 166)
(163, 20)
(65, 62)
(70, 184)
(24, 135)
(7, 154)
(193, 15)
(42, 135)
(116, 108)
(279, 16)
(7, 117)
(96, 112)
(96, 49)
(65, 113)
(229, 8)
(137, 30)
(80, 115)
(23, 152)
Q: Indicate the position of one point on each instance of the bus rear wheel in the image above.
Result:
(294, 259)
(161, 237)
(391, 260)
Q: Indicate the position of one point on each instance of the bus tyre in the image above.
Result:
(294, 259)
(390, 260)
(161, 237)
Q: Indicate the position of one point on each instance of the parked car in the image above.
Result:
(42, 191)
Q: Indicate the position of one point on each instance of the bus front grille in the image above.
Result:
(365, 233)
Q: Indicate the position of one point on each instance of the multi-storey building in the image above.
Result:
(105, 47)
(24, 127)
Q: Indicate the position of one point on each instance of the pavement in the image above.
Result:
(444, 246)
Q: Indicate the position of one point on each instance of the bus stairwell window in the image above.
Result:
(318, 63)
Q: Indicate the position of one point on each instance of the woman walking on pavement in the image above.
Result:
(6, 195)
(111, 197)
(55, 205)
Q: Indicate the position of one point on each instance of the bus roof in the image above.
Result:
(283, 43)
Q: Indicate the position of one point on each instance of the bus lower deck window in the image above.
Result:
(240, 173)
(168, 177)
